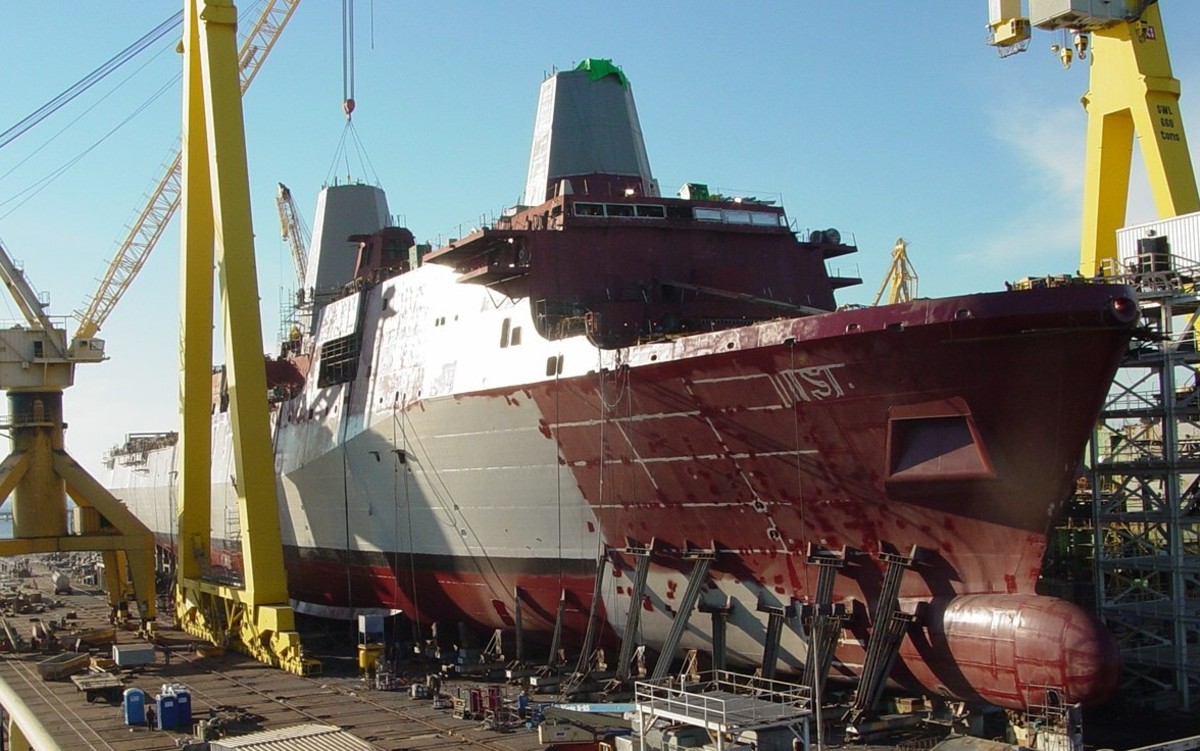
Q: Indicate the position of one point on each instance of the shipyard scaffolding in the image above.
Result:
(1144, 477)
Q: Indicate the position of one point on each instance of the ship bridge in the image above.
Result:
(639, 267)
(496, 254)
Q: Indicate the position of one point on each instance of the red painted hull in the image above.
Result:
(446, 591)
(955, 426)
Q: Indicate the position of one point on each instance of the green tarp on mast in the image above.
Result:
(599, 68)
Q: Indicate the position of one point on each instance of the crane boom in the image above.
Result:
(261, 39)
(25, 297)
(164, 199)
(294, 231)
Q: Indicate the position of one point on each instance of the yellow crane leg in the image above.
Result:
(196, 320)
(256, 618)
(1131, 89)
(39, 474)
(102, 515)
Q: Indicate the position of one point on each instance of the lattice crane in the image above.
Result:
(1131, 88)
(294, 231)
(146, 230)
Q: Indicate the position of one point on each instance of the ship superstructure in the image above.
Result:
(610, 375)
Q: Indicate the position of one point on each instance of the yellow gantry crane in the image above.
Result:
(37, 364)
(1131, 89)
(163, 201)
(901, 278)
(216, 230)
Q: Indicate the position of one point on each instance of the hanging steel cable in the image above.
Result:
(24, 196)
(91, 79)
(349, 144)
(348, 57)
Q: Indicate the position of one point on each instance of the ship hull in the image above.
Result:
(447, 483)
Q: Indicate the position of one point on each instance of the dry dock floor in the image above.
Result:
(250, 695)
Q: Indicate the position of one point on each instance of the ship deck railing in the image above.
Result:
(725, 702)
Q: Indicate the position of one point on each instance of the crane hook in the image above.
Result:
(348, 107)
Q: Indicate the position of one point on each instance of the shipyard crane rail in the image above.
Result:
(294, 230)
(1131, 89)
(152, 220)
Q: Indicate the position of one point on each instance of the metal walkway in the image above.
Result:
(726, 704)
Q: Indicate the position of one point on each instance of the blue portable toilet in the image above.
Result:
(183, 708)
(168, 711)
(134, 706)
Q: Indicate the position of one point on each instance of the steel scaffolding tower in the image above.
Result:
(1145, 486)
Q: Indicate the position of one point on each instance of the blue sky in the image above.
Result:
(879, 119)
